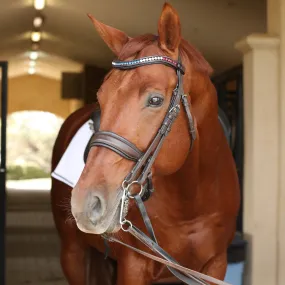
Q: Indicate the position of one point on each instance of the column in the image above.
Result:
(261, 156)
(276, 26)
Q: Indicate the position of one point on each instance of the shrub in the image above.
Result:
(17, 172)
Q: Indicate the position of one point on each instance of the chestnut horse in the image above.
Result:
(196, 199)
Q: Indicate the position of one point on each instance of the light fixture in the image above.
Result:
(39, 4)
(34, 55)
(32, 70)
(36, 36)
(32, 63)
(38, 21)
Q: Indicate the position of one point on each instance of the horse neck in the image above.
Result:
(184, 188)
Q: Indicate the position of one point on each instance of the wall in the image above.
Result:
(34, 92)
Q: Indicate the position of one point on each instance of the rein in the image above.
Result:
(192, 277)
(141, 173)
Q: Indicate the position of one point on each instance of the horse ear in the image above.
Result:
(169, 29)
(115, 39)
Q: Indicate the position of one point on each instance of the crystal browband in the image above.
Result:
(148, 60)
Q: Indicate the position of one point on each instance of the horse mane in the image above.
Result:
(135, 45)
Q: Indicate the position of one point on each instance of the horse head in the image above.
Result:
(134, 103)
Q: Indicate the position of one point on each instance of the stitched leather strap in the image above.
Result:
(117, 144)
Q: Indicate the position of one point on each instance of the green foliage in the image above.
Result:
(30, 139)
(18, 172)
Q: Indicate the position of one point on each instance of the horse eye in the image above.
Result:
(155, 101)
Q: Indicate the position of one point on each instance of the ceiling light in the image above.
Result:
(32, 70)
(34, 55)
(39, 4)
(38, 21)
(32, 63)
(36, 36)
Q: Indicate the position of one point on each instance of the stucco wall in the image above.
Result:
(33, 92)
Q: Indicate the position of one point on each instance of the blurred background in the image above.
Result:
(53, 61)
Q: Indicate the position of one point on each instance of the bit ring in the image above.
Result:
(132, 196)
(130, 225)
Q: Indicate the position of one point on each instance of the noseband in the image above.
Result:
(127, 149)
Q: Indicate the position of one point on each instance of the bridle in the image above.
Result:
(141, 173)
(127, 149)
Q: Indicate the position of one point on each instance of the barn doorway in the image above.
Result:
(3, 100)
(32, 244)
(30, 136)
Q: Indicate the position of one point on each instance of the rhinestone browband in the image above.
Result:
(148, 60)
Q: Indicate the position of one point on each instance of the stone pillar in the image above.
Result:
(261, 156)
(276, 26)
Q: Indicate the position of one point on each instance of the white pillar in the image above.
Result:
(276, 26)
(261, 156)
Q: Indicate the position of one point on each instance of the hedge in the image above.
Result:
(18, 172)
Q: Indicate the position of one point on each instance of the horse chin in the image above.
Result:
(113, 228)
(99, 230)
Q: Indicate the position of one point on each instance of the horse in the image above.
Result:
(158, 165)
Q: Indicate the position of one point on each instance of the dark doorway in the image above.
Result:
(229, 86)
(3, 94)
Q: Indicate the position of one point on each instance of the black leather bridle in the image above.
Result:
(127, 149)
(141, 173)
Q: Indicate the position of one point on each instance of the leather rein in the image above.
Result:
(141, 175)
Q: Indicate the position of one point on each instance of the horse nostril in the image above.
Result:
(96, 206)
(95, 209)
